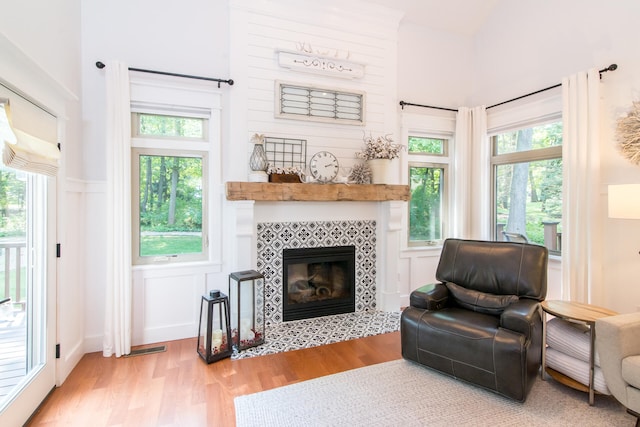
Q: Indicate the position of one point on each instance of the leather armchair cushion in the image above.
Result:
(500, 268)
(480, 302)
(429, 297)
(467, 340)
(523, 316)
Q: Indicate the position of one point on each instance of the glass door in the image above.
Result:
(27, 293)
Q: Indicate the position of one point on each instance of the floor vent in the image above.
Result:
(150, 350)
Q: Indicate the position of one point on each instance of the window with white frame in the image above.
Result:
(527, 184)
(170, 197)
(428, 160)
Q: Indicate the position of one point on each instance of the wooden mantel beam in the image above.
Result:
(289, 192)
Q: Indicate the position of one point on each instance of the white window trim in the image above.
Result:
(180, 96)
(533, 111)
(135, 209)
(437, 125)
(445, 203)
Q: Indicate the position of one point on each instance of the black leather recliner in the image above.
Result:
(482, 323)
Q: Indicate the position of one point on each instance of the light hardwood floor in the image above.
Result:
(176, 388)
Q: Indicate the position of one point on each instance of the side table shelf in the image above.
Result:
(566, 380)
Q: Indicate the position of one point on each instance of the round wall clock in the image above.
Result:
(324, 166)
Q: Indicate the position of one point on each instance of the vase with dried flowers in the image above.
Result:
(379, 153)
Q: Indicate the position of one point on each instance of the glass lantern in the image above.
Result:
(246, 294)
(258, 160)
(214, 334)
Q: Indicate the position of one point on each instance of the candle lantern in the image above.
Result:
(246, 295)
(214, 333)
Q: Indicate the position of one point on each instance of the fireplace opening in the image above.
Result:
(318, 282)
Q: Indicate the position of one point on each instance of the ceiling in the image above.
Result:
(463, 17)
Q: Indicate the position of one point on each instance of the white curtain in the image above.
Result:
(472, 166)
(581, 236)
(117, 327)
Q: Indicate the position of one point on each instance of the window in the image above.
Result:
(169, 126)
(428, 163)
(319, 104)
(527, 185)
(169, 188)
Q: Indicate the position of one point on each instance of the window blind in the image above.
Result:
(28, 135)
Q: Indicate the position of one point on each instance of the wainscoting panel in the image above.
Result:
(166, 301)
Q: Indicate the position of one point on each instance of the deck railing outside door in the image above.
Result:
(12, 254)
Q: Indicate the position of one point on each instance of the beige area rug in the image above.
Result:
(403, 393)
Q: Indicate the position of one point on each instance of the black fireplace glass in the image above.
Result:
(318, 282)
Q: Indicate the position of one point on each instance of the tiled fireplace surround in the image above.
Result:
(273, 237)
(264, 229)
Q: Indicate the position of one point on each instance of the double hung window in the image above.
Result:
(527, 185)
(428, 182)
(170, 203)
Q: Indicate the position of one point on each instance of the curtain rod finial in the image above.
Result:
(100, 65)
(611, 67)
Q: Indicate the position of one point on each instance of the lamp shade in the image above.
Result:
(624, 201)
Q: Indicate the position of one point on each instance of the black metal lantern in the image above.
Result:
(246, 293)
(214, 334)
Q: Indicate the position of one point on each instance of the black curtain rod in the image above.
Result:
(403, 103)
(524, 96)
(164, 73)
(611, 67)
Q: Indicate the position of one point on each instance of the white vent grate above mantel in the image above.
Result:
(295, 101)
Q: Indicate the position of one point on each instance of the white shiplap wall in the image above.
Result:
(260, 28)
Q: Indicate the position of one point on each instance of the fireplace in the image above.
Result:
(273, 238)
(318, 281)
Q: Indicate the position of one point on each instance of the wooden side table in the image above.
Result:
(573, 312)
